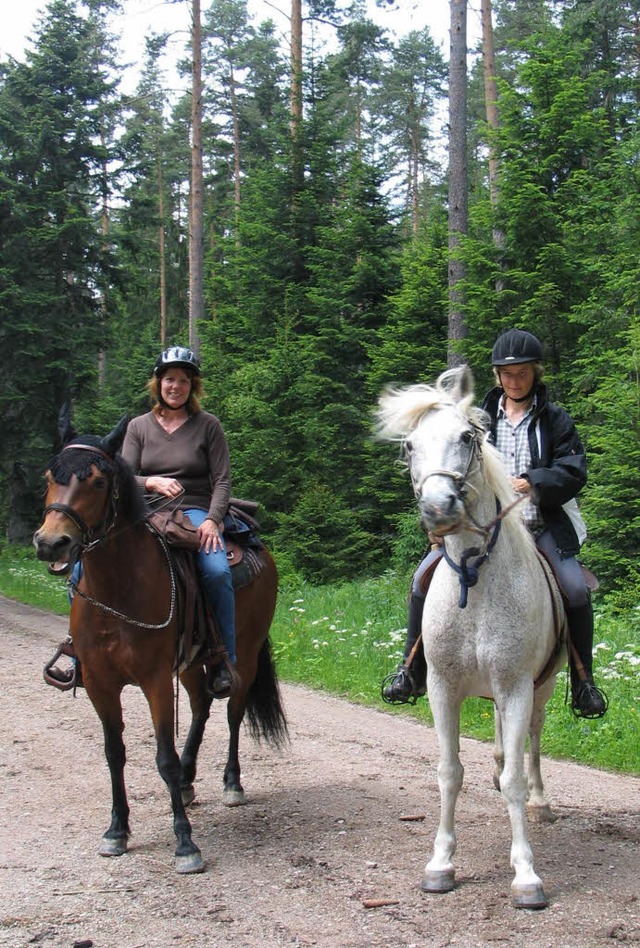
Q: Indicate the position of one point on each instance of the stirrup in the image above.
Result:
(62, 679)
(403, 695)
(588, 690)
(220, 682)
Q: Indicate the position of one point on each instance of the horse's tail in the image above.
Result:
(264, 702)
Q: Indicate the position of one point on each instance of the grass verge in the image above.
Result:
(344, 639)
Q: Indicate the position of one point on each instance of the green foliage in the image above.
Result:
(326, 271)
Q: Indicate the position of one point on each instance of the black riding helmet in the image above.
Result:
(516, 346)
(177, 355)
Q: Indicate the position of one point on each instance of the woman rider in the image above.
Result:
(179, 451)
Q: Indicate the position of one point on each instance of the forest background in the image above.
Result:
(326, 255)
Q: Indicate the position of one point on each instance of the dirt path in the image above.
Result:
(322, 833)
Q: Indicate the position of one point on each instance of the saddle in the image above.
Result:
(560, 623)
(199, 636)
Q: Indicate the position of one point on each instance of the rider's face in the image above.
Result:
(517, 380)
(175, 387)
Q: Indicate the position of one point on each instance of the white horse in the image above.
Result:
(490, 616)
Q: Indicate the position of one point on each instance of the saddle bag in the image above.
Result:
(176, 529)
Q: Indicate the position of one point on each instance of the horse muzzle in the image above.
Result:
(441, 515)
(60, 552)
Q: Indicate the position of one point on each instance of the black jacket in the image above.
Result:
(558, 469)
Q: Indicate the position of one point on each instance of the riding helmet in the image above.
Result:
(516, 346)
(180, 356)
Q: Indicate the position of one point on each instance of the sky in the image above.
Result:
(143, 16)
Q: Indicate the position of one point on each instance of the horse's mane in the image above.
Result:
(401, 410)
(78, 462)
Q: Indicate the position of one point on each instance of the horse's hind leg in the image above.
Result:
(515, 712)
(194, 681)
(160, 698)
(233, 792)
(538, 808)
(439, 873)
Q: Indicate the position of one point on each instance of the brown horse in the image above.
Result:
(125, 629)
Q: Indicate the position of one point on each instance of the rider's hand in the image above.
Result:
(168, 486)
(521, 485)
(210, 534)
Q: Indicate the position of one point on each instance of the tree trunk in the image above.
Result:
(162, 259)
(458, 183)
(490, 95)
(493, 120)
(196, 214)
(296, 95)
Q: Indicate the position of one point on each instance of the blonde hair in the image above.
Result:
(195, 394)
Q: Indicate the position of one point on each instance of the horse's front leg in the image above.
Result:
(194, 682)
(439, 872)
(515, 712)
(160, 697)
(109, 709)
(498, 749)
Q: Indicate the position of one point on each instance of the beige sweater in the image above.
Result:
(196, 454)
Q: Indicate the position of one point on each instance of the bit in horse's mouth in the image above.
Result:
(59, 569)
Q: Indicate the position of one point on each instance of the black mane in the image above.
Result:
(78, 462)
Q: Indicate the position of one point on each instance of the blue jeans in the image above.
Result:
(215, 573)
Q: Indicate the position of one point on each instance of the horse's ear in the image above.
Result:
(457, 383)
(466, 382)
(66, 429)
(112, 442)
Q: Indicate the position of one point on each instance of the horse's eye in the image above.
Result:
(467, 437)
(408, 446)
(100, 483)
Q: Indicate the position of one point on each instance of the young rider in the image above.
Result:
(546, 461)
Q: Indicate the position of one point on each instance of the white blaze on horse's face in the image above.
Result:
(440, 455)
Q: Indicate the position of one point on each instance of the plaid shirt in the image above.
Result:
(513, 444)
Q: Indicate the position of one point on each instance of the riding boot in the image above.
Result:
(587, 700)
(409, 681)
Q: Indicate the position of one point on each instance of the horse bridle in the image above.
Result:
(468, 570)
(90, 539)
(459, 478)
(90, 535)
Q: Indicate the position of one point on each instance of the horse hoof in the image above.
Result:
(541, 814)
(188, 795)
(113, 847)
(233, 796)
(529, 897)
(186, 865)
(438, 881)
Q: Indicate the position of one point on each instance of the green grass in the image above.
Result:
(344, 639)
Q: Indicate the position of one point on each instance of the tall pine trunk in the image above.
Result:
(196, 204)
(493, 119)
(458, 182)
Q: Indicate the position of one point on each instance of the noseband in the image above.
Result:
(468, 571)
(90, 535)
(459, 479)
